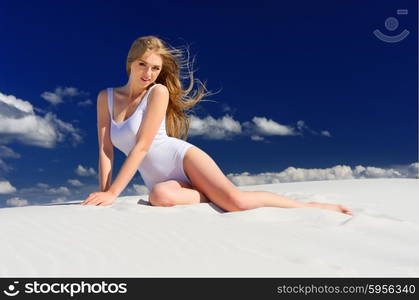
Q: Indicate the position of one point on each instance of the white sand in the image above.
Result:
(130, 239)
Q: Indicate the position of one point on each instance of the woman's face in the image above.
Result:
(146, 69)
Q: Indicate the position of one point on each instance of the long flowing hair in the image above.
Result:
(174, 63)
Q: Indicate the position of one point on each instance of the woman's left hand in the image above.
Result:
(100, 198)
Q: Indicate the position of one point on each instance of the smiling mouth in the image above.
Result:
(146, 80)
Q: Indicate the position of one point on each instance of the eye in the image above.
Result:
(142, 64)
(156, 68)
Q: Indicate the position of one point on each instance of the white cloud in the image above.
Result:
(60, 190)
(16, 105)
(31, 190)
(292, 174)
(8, 152)
(5, 167)
(226, 107)
(246, 178)
(212, 128)
(16, 201)
(325, 133)
(85, 171)
(257, 138)
(75, 182)
(409, 171)
(51, 98)
(373, 172)
(59, 200)
(301, 125)
(6, 187)
(57, 96)
(226, 127)
(264, 126)
(299, 174)
(140, 189)
(44, 189)
(413, 170)
(42, 185)
(20, 123)
(88, 102)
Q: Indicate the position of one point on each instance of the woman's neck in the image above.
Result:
(132, 91)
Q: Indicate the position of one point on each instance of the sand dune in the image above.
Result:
(132, 239)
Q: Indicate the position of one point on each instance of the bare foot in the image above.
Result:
(335, 207)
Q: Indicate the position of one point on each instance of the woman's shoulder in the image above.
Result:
(117, 92)
(160, 87)
(102, 95)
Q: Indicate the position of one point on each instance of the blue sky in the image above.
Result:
(307, 91)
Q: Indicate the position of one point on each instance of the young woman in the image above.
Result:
(145, 119)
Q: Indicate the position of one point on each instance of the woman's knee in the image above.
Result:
(239, 201)
(161, 195)
(231, 202)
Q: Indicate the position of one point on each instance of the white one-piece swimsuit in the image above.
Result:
(164, 159)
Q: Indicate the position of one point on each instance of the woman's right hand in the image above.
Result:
(100, 199)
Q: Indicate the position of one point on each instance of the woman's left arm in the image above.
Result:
(155, 112)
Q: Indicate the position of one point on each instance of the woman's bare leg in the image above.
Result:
(174, 192)
(207, 178)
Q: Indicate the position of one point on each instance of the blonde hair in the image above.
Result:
(174, 61)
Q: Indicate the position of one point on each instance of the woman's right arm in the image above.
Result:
(105, 144)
